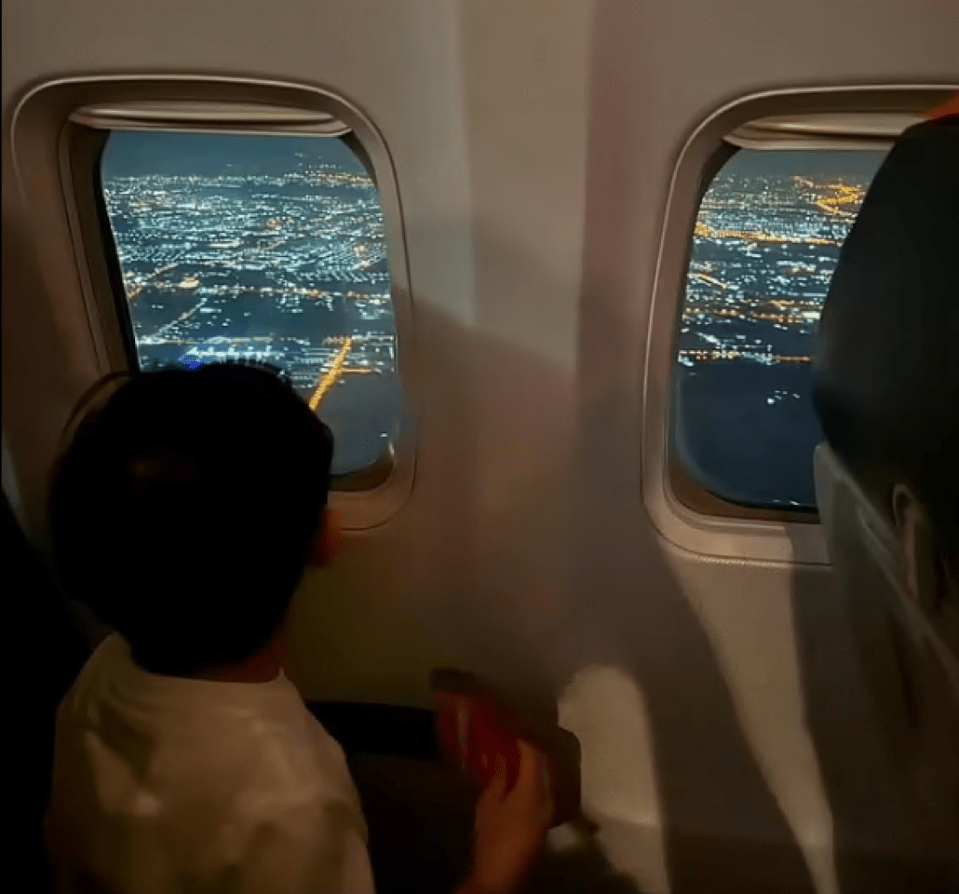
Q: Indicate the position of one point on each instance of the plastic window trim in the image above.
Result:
(682, 510)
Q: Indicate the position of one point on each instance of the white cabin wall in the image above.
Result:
(534, 144)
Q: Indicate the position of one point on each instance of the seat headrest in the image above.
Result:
(886, 369)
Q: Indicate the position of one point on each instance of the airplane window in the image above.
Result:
(766, 242)
(263, 247)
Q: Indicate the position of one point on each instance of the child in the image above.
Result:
(184, 513)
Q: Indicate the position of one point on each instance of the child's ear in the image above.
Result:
(328, 540)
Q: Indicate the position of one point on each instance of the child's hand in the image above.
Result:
(511, 827)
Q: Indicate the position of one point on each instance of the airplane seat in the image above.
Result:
(55, 650)
(886, 390)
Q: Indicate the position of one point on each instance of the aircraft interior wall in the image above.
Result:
(728, 740)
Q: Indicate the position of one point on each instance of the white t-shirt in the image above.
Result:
(166, 785)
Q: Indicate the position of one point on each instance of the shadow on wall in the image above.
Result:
(599, 601)
(537, 566)
(588, 597)
(722, 828)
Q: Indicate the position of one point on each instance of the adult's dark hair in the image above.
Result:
(183, 511)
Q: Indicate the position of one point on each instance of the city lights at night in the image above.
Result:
(765, 244)
(264, 248)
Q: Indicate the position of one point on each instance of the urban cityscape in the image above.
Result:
(766, 242)
(264, 248)
(273, 248)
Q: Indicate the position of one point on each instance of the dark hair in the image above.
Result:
(183, 511)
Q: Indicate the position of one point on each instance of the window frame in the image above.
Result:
(683, 510)
(364, 499)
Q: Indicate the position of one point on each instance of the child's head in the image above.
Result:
(185, 510)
